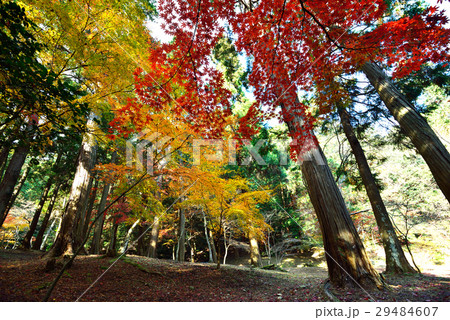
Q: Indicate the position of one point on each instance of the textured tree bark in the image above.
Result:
(181, 247)
(80, 217)
(26, 242)
(255, 256)
(89, 210)
(345, 254)
(413, 125)
(38, 242)
(11, 177)
(63, 243)
(154, 238)
(396, 261)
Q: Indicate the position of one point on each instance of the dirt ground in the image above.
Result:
(23, 278)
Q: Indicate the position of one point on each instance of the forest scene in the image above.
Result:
(224, 150)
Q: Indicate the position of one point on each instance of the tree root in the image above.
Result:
(326, 289)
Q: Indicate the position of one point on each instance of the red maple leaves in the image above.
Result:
(292, 44)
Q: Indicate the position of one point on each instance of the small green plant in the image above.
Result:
(438, 258)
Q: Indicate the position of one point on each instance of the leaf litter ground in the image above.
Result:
(23, 278)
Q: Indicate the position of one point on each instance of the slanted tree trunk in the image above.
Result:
(255, 256)
(181, 247)
(154, 238)
(345, 254)
(26, 242)
(124, 247)
(396, 261)
(37, 243)
(47, 234)
(16, 193)
(79, 191)
(413, 125)
(11, 177)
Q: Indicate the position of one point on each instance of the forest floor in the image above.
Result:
(23, 278)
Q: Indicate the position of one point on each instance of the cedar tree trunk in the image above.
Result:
(396, 261)
(413, 125)
(345, 254)
(78, 194)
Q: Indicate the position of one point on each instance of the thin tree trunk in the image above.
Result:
(396, 261)
(37, 243)
(111, 251)
(96, 241)
(181, 247)
(16, 193)
(413, 125)
(213, 247)
(128, 236)
(154, 239)
(63, 244)
(48, 233)
(26, 242)
(345, 254)
(255, 256)
(211, 259)
(11, 177)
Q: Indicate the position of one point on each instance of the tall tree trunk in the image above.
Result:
(97, 240)
(413, 125)
(154, 238)
(26, 242)
(124, 247)
(63, 244)
(181, 247)
(89, 210)
(37, 243)
(16, 193)
(213, 247)
(396, 261)
(10, 178)
(211, 259)
(141, 248)
(80, 218)
(345, 254)
(255, 256)
(111, 251)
